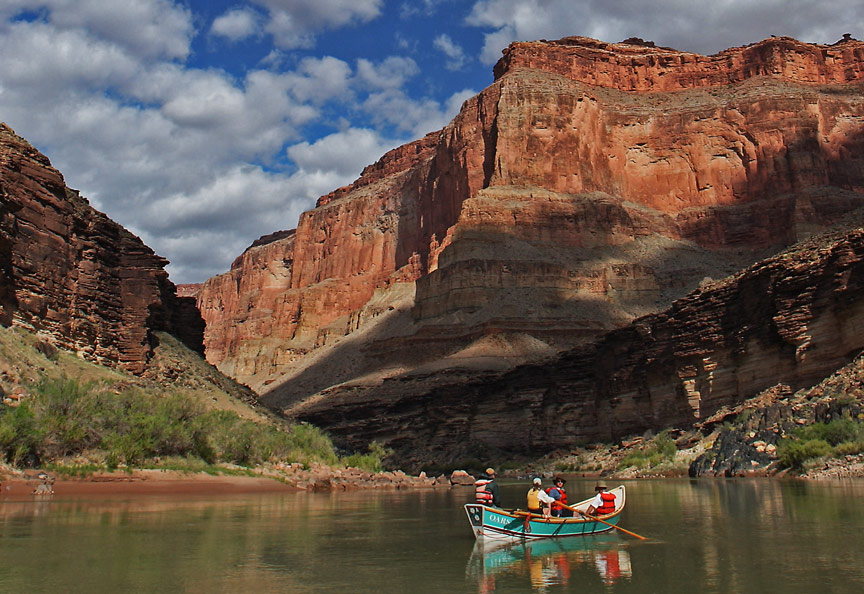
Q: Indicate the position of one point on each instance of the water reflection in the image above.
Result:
(548, 562)
(711, 537)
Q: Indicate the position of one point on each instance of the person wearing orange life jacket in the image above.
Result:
(486, 489)
(603, 503)
(558, 493)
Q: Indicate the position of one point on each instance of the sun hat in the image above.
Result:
(490, 471)
(600, 485)
(538, 480)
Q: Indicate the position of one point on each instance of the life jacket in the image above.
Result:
(609, 565)
(481, 495)
(557, 504)
(608, 504)
(533, 500)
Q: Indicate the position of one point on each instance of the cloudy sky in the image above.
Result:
(201, 125)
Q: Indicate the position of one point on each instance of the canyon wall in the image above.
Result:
(793, 318)
(75, 276)
(590, 184)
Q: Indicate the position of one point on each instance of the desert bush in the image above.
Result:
(794, 453)
(662, 449)
(66, 417)
(20, 435)
(372, 460)
(835, 438)
(834, 432)
(849, 448)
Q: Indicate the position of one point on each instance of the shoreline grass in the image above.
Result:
(116, 427)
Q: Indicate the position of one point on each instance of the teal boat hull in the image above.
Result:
(493, 523)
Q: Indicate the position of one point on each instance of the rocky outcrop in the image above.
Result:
(794, 318)
(750, 437)
(69, 272)
(634, 65)
(591, 184)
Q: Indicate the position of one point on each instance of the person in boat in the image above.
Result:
(486, 489)
(539, 501)
(559, 494)
(603, 503)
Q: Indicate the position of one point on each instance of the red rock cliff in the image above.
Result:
(794, 318)
(644, 67)
(74, 274)
(590, 184)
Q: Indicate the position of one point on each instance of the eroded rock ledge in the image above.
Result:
(792, 319)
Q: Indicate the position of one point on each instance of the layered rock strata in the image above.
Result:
(792, 319)
(590, 184)
(640, 66)
(73, 274)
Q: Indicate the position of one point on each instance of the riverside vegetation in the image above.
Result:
(61, 413)
(63, 418)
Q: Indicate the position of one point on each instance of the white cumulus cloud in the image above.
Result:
(294, 23)
(456, 57)
(237, 24)
(691, 26)
(151, 29)
(198, 161)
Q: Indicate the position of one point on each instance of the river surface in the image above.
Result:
(704, 536)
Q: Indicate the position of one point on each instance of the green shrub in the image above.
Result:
(665, 446)
(794, 453)
(372, 461)
(20, 434)
(65, 417)
(836, 438)
(569, 465)
(834, 432)
(662, 449)
(850, 448)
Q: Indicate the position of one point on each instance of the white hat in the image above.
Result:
(537, 480)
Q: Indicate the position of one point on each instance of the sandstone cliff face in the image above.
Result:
(640, 66)
(793, 319)
(70, 272)
(590, 184)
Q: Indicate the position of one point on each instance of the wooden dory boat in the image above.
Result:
(493, 523)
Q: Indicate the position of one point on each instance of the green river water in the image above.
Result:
(705, 536)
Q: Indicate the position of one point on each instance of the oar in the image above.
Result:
(602, 522)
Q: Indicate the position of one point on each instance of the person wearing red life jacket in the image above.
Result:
(558, 493)
(603, 503)
(486, 489)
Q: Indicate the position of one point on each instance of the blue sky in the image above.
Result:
(201, 125)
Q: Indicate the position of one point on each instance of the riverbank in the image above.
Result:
(231, 480)
(607, 462)
(811, 433)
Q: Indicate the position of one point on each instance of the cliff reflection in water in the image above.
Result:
(706, 536)
(549, 562)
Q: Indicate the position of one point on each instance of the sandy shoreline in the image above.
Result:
(146, 482)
